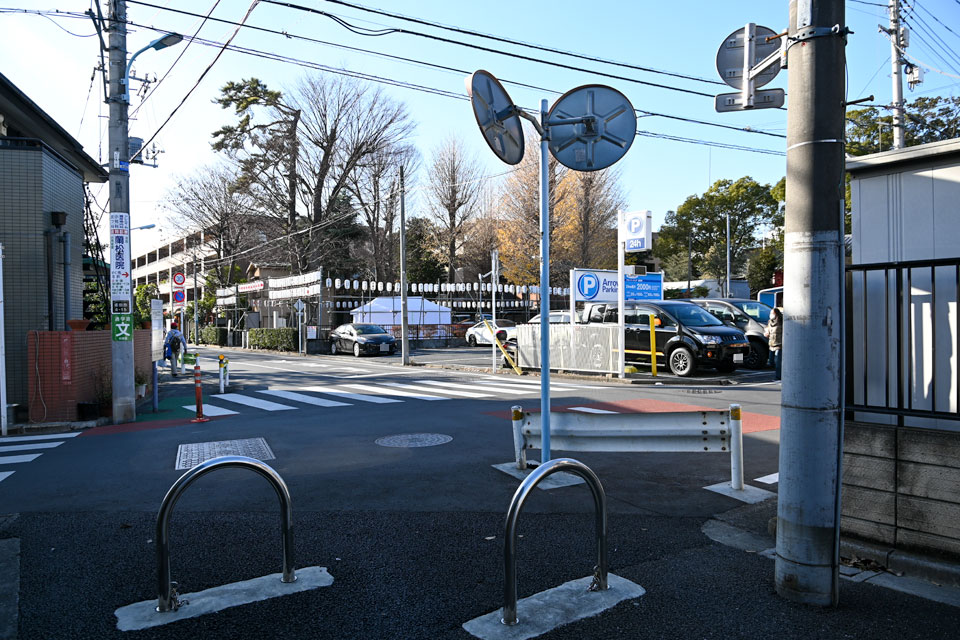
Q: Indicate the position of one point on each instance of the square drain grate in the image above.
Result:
(190, 455)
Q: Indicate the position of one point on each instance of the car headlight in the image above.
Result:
(709, 339)
(362, 340)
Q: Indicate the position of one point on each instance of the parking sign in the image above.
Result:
(635, 231)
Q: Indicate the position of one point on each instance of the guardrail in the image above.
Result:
(168, 600)
(677, 431)
(510, 530)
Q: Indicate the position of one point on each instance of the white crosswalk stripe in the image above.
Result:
(304, 398)
(211, 410)
(773, 478)
(448, 385)
(28, 443)
(392, 392)
(589, 410)
(450, 392)
(353, 396)
(253, 402)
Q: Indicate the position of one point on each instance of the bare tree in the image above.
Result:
(207, 202)
(480, 235)
(375, 187)
(453, 191)
(593, 199)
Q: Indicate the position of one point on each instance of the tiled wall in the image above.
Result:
(34, 182)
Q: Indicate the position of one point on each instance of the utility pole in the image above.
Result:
(896, 74)
(811, 433)
(121, 318)
(728, 255)
(196, 304)
(404, 342)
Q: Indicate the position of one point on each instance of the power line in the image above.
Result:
(520, 43)
(504, 53)
(253, 4)
(182, 52)
(443, 67)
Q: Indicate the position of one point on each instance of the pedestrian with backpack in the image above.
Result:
(173, 346)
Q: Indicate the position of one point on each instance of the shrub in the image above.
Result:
(214, 335)
(283, 339)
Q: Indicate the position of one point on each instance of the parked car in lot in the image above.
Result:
(750, 316)
(556, 317)
(480, 332)
(360, 339)
(686, 336)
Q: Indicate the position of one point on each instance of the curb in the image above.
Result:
(932, 569)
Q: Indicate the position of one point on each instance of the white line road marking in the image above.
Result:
(449, 392)
(392, 392)
(352, 396)
(773, 478)
(17, 459)
(28, 447)
(5, 475)
(211, 410)
(56, 436)
(446, 385)
(589, 410)
(252, 402)
(302, 397)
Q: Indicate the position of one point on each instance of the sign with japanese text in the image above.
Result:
(121, 327)
(120, 257)
(156, 330)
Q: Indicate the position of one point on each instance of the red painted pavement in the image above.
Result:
(130, 427)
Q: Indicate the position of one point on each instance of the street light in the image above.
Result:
(146, 226)
(160, 43)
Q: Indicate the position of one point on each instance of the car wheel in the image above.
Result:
(472, 340)
(681, 362)
(726, 366)
(356, 349)
(757, 358)
(333, 348)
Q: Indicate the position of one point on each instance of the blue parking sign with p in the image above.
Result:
(635, 231)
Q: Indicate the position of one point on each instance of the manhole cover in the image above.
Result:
(190, 455)
(414, 440)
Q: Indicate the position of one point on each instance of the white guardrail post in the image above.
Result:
(736, 449)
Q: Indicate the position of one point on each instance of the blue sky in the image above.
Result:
(54, 68)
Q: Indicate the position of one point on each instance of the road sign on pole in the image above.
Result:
(179, 279)
(748, 59)
(636, 231)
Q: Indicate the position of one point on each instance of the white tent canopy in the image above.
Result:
(386, 311)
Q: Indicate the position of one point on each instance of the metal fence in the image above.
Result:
(902, 338)
(573, 347)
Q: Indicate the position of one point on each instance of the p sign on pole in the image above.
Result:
(636, 231)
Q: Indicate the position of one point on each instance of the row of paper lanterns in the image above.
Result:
(428, 287)
(457, 304)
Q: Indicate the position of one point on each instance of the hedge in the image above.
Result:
(214, 335)
(283, 339)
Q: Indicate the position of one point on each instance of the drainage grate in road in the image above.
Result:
(414, 440)
(190, 455)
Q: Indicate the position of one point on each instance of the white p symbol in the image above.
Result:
(635, 224)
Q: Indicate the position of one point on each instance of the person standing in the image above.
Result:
(173, 345)
(774, 333)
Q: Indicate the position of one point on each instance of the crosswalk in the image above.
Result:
(19, 444)
(350, 391)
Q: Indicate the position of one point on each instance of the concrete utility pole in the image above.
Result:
(404, 342)
(896, 74)
(121, 319)
(811, 432)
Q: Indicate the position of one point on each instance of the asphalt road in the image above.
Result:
(412, 536)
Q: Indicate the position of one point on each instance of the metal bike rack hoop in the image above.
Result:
(510, 532)
(167, 600)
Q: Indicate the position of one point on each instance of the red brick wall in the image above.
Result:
(67, 367)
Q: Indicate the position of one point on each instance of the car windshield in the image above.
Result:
(368, 329)
(691, 315)
(756, 310)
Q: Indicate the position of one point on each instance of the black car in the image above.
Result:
(686, 336)
(750, 316)
(361, 338)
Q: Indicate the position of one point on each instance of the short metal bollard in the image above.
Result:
(197, 382)
(222, 369)
(167, 599)
(510, 532)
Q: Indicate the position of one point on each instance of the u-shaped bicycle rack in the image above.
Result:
(167, 599)
(510, 533)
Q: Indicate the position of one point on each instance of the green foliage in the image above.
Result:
(142, 297)
(927, 119)
(699, 291)
(674, 267)
(94, 306)
(139, 377)
(701, 220)
(282, 339)
(214, 335)
(761, 268)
